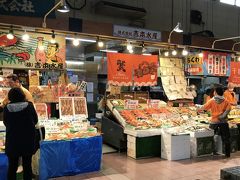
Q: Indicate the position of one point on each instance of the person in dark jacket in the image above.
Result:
(20, 119)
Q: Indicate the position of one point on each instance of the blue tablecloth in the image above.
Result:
(3, 166)
(64, 158)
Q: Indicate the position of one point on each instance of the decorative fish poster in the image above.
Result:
(35, 53)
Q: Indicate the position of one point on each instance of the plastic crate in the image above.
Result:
(232, 173)
(143, 147)
(202, 146)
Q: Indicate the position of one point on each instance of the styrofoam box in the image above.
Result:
(2, 126)
(199, 134)
(175, 147)
(131, 146)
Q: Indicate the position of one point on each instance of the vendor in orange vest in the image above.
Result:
(219, 108)
(208, 95)
(230, 95)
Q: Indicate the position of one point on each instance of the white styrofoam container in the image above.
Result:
(2, 126)
(199, 134)
(131, 146)
(175, 147)
(131, 153)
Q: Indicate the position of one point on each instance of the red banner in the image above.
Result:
(235, 73)
(216, 63)
(131, 69)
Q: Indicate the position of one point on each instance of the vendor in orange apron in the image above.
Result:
(219, 108)
(230, 95)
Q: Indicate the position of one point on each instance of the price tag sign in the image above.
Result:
(194, 60)
(159, 116)
(130, 104)
(153, 103)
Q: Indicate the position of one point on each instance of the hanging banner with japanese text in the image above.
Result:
(216, 63)
(36, 53)
(132, 70)
(37, 8)
(194, 65)
(235, 74)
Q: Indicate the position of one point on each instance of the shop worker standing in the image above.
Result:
(14, 82)
(20, 118)
(230, 95)
(219, 108)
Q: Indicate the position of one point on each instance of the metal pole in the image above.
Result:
(225, 39)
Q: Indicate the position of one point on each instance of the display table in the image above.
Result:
(3, 166)
(65, 158)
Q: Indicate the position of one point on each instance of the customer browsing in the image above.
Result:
(20, 119)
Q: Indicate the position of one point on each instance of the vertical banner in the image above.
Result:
(235, 74)
(131, 69)
(216, 64)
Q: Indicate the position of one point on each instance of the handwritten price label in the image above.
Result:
(153, 103)
(131, 104)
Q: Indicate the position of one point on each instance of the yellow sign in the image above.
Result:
(194, 60)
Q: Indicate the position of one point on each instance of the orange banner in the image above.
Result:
(131, 69)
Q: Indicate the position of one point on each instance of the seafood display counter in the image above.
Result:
(161, 130)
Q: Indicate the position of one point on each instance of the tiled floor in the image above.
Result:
(119, 167)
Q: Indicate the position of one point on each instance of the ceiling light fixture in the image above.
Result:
(200, 55)
(108, 50)
(10, 34)
(75, 42)
(25, 36)
(75, 62)
(176, 29)
(184, 52)
(146, 54)
(82, 39)
(63, 8)
(166, 53)
(174, 52)
(53, 40)
(100, 43)
(129, 46)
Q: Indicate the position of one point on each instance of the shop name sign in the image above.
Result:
(131, 104)
(26, 7)
(136, 33)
